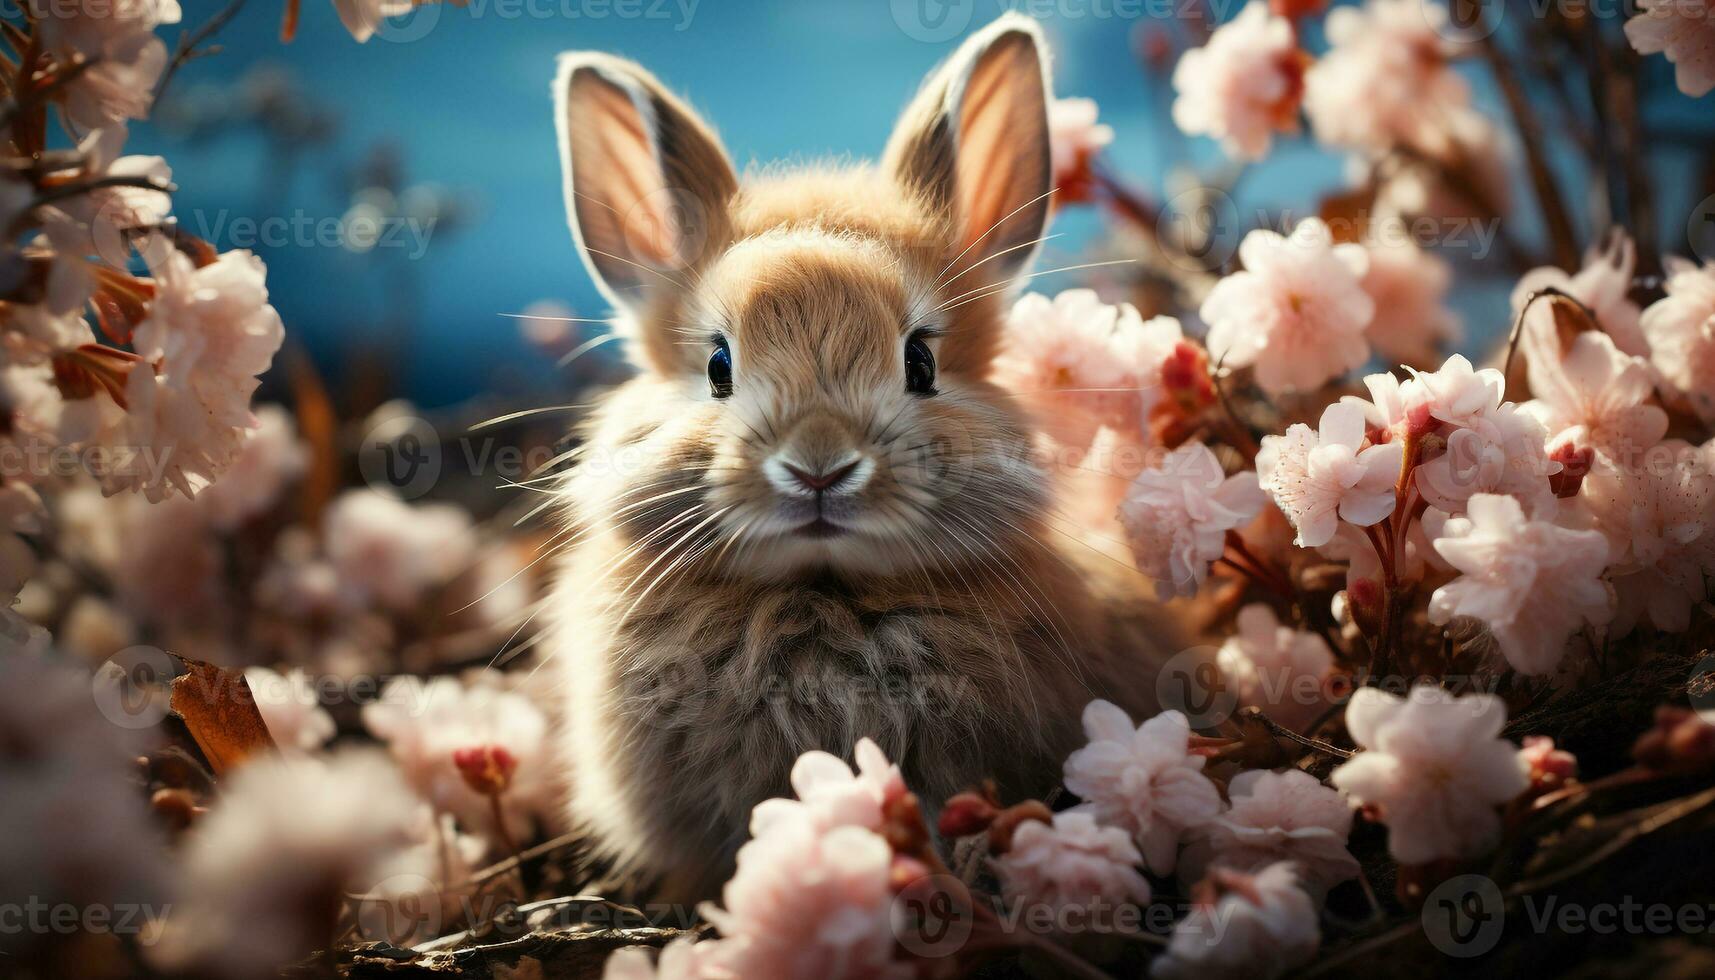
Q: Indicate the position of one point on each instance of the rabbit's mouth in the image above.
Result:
(821, 529)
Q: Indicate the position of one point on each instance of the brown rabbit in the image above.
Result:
(811, 518)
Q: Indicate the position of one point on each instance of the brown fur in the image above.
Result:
(705, 643)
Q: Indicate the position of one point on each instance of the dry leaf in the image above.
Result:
(218, 708)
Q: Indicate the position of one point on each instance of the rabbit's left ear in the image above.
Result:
(974, 142)
(647, 183)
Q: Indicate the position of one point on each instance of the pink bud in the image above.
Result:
(1574, 464)
(487, 769)
(1550, 768)
(966, 814)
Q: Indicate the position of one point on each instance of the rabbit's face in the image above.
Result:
(815, 346)
(845, 430)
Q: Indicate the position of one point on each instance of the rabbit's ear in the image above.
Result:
(975, 143)
(646, 181)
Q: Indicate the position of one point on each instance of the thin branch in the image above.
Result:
(188, 41)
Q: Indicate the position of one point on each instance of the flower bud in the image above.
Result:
(487, 769)
(1008, 820)
(1681, 743)
(965, 814)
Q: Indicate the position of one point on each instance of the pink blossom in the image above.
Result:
(1532, 583)
(1409, 287)
(1075, 863)
(291, 708)
(390, 552)
(1549, 767)
(1460, 395)
(1320, 478)
(425, 723)
(1074, 137)
(1142, 779)
(1386, 80)
(426, 887)
(1659, 520)
(1680, 328)
(1260, 926)
(362, 17)
(1082, 364)
(288, 837)
(118, 38)
(1602, 285)
(681, 959)
(1274, 667)
(209, 333)
(834, 796)
(1434, 769)
(1177, 517)
(1281, 816)
(1503, 453)
(807, 901)
(271, 457)
(1595, 397)
(1298, 311)
(1684, 31)
(1243, 85)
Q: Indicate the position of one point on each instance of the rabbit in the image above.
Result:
(810, 518)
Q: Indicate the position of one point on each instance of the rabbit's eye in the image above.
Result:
(720, 369)
(919, 367)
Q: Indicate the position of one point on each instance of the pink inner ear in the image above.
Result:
(1002, 154)
(620, 194)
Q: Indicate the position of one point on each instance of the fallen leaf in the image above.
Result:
(220, 712)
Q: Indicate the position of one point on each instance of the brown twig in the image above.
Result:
(188, 41)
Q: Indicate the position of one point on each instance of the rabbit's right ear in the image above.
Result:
(646, 182)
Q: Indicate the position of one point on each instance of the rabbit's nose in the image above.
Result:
(845, 476)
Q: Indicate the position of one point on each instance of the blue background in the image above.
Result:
(466, 107)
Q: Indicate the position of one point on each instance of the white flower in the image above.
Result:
(1602, 286)
(1143, 779)
(1532, 583)
(288, 837)
(118, 37)
(1260, 927)
(680, 959)
(805, 901)
(1385, 79)
(1284, 816)
(1409, 287)
(1276, 668)
(270, 458)
(1596, 397)
(1434, 769)
(363, 17)
(74, 825)
(210, 331)
(1298, 311)
(1504, 453)
(291, 708)
(1320, 478)
(1177, 517)
(424, 723)
(1074, 136)
(1243, 85)
(832, 795)
(1458, 394)
(1082, 364)
(390, 552)
(1073, 863)
(1683, 30)
(1680, 328)
(1659, 518)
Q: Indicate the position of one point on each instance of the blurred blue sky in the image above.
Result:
(466, 105)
